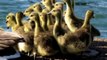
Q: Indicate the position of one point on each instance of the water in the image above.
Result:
(99, 7)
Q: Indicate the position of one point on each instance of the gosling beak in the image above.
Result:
(23, 14)
(7, 27)
(6, 21)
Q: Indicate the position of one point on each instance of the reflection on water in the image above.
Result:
(99, 6)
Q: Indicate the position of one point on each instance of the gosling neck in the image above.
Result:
(69, 10)
(14, 27)
(38, 27)
(49, 21)
(57, 25)
(70, 17)
(58, 20)
(18, 20)
(44, 23)
(39, 11)
(86, 21)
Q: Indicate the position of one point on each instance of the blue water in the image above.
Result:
(99, 7)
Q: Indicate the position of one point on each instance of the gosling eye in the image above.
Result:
(26, 11)
(56, 4)
(8, 17)
(31, 15)
(35, 6)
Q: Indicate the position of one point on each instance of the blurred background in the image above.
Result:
(99, 7)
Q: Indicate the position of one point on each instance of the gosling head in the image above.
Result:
(28, 11)
(37, 7)
(55, 12)
(46, 2)
(34, 16)
(59, 5)
(89, 14)
(10, 20)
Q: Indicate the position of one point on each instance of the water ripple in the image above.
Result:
(101, 4)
